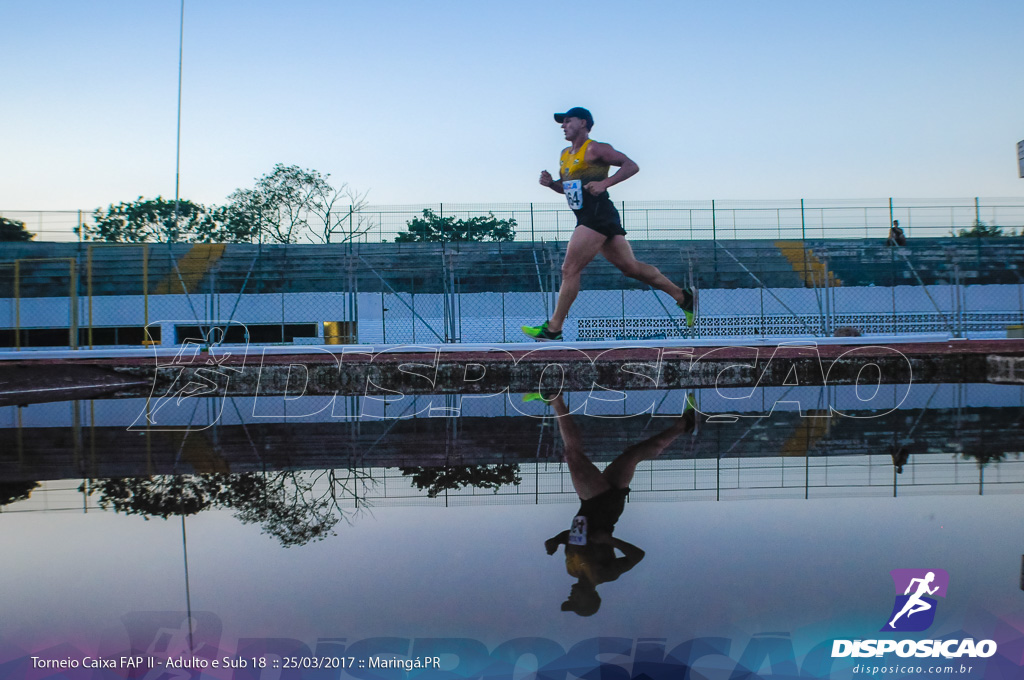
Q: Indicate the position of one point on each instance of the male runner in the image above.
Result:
(583, 178)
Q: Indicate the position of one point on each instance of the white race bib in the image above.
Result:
(573, 189)
(578, 532)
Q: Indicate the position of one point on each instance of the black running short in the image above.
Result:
(603, 510)
(599, 213)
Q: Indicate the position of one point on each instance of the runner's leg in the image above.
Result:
(584, 245)
(586, 477)
(620, 471)
(618, 251)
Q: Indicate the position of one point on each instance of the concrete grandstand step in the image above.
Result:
(496, 267)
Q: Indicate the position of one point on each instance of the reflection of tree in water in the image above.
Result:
(11, 492)
(295, 507)
(435, 480)
(983, 459)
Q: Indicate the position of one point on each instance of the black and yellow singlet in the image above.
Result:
(596, 212)
(575, 166)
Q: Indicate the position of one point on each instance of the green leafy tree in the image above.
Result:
(159, 496)
(13, 230)
(287, 205)
(286, 505)
(983, 459)
(12, 492)
(226, 224)
(291, 203)
(434, 228)
(295, 507)
(435, 480)
(980, 229)
(159, 220)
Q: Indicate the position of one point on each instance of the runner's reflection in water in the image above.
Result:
(589, 544)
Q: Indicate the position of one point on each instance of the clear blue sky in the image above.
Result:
(451, 101)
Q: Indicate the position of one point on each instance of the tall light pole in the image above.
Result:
(177, 149)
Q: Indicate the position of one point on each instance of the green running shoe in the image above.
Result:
(535, 396)
(687, 306)
(542, 333)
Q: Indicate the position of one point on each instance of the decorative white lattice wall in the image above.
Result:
(653, 327)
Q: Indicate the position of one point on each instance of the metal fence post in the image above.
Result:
(955, 301)
(88, 288)
(892, 285)
(145, 287)
(284, 268)
(354, 335)
(829, 301)
(17, 304)
(215, 338)
(73, 330)
(803, 222)
(764, 324)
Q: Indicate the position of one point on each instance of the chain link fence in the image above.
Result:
(88, 295)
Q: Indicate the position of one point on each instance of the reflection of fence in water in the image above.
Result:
(720, 479)
(957, 439)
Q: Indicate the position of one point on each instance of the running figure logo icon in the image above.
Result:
(914, 609)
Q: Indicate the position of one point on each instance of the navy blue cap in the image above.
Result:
(576, 112)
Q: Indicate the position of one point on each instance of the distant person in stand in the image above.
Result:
(896, 235)
(589, 544)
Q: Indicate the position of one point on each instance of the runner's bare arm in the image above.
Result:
(631, 554)
(547, 180)
(551, 545)
(604, 153)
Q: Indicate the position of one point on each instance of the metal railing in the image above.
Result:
(862, 476)
(652, 220)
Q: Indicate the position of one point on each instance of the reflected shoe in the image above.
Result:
(542, 333)
(687, 306)
(546, 394)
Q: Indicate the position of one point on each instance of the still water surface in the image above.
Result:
(319, 529)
